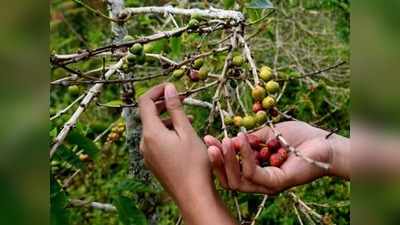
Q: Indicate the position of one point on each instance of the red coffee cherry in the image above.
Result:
(273, 112)
(263, 155)
(257, 106)
(236, 144)
(254, 141)
(283, 153)
(276, 160)
(274, 145)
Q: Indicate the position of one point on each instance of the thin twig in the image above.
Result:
(260, 208)
(61, 112)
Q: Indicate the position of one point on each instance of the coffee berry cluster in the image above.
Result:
(263, 101)
(116, 132)
(270, 153)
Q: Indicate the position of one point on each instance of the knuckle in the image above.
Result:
(174, 103)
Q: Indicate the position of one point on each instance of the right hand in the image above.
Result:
(310, 141)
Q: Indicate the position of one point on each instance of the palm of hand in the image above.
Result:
(308, 140)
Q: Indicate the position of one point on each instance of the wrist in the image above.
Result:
(339, 156)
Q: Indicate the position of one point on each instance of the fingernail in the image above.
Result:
(170, 91)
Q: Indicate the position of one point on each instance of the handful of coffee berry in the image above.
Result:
(270, 153)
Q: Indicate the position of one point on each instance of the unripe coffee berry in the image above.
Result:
(228, 120)
(73, 90)
(261, 117)
(203, 73)
(238, 61)
(177, 74)
(198, 63)
(193, 24)
(272, 87)
(268, 102)
(258, 93)
(136, 49)
(265, 73)
(249, 122)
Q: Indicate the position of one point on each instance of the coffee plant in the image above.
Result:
(240, 66)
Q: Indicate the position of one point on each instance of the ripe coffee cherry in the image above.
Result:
(258, 93)
(73, 90)
(263, 155)
(283, 153)
(236, 144)
(193, 24)
(194, 75)
(265, 73)
(268, 102)
(198, 63)
(273, 144)
(237, 120)
(178, 73)
(254, 141)
(257, 106)
(228, 120)
(276, 160)
(203, 73)
(261, 117)
(274, 112)
(136, 49)
(272, 87)
(249, 122)
(238, 60)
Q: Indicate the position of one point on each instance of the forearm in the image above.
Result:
(200, 204)
(340, 156)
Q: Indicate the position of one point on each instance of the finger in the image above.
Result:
(168, 122)
(232, 167)
(174, 107)
(147, 108)
(161, 107)
(217, 163)
(210, 141)
(248, 157)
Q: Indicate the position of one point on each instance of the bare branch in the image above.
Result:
(210, 13)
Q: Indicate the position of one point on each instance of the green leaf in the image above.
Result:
(114, 104)
(228, 4)
(67, 155)
(176, 46)
(59, 215)
(84, 143)
(128, 213)
(260, 4)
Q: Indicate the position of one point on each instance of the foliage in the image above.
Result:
(301, 37)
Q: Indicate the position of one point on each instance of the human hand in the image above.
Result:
(308, 140)
(178, 158)
(172, 151)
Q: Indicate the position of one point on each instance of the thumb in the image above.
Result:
(174, 108)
